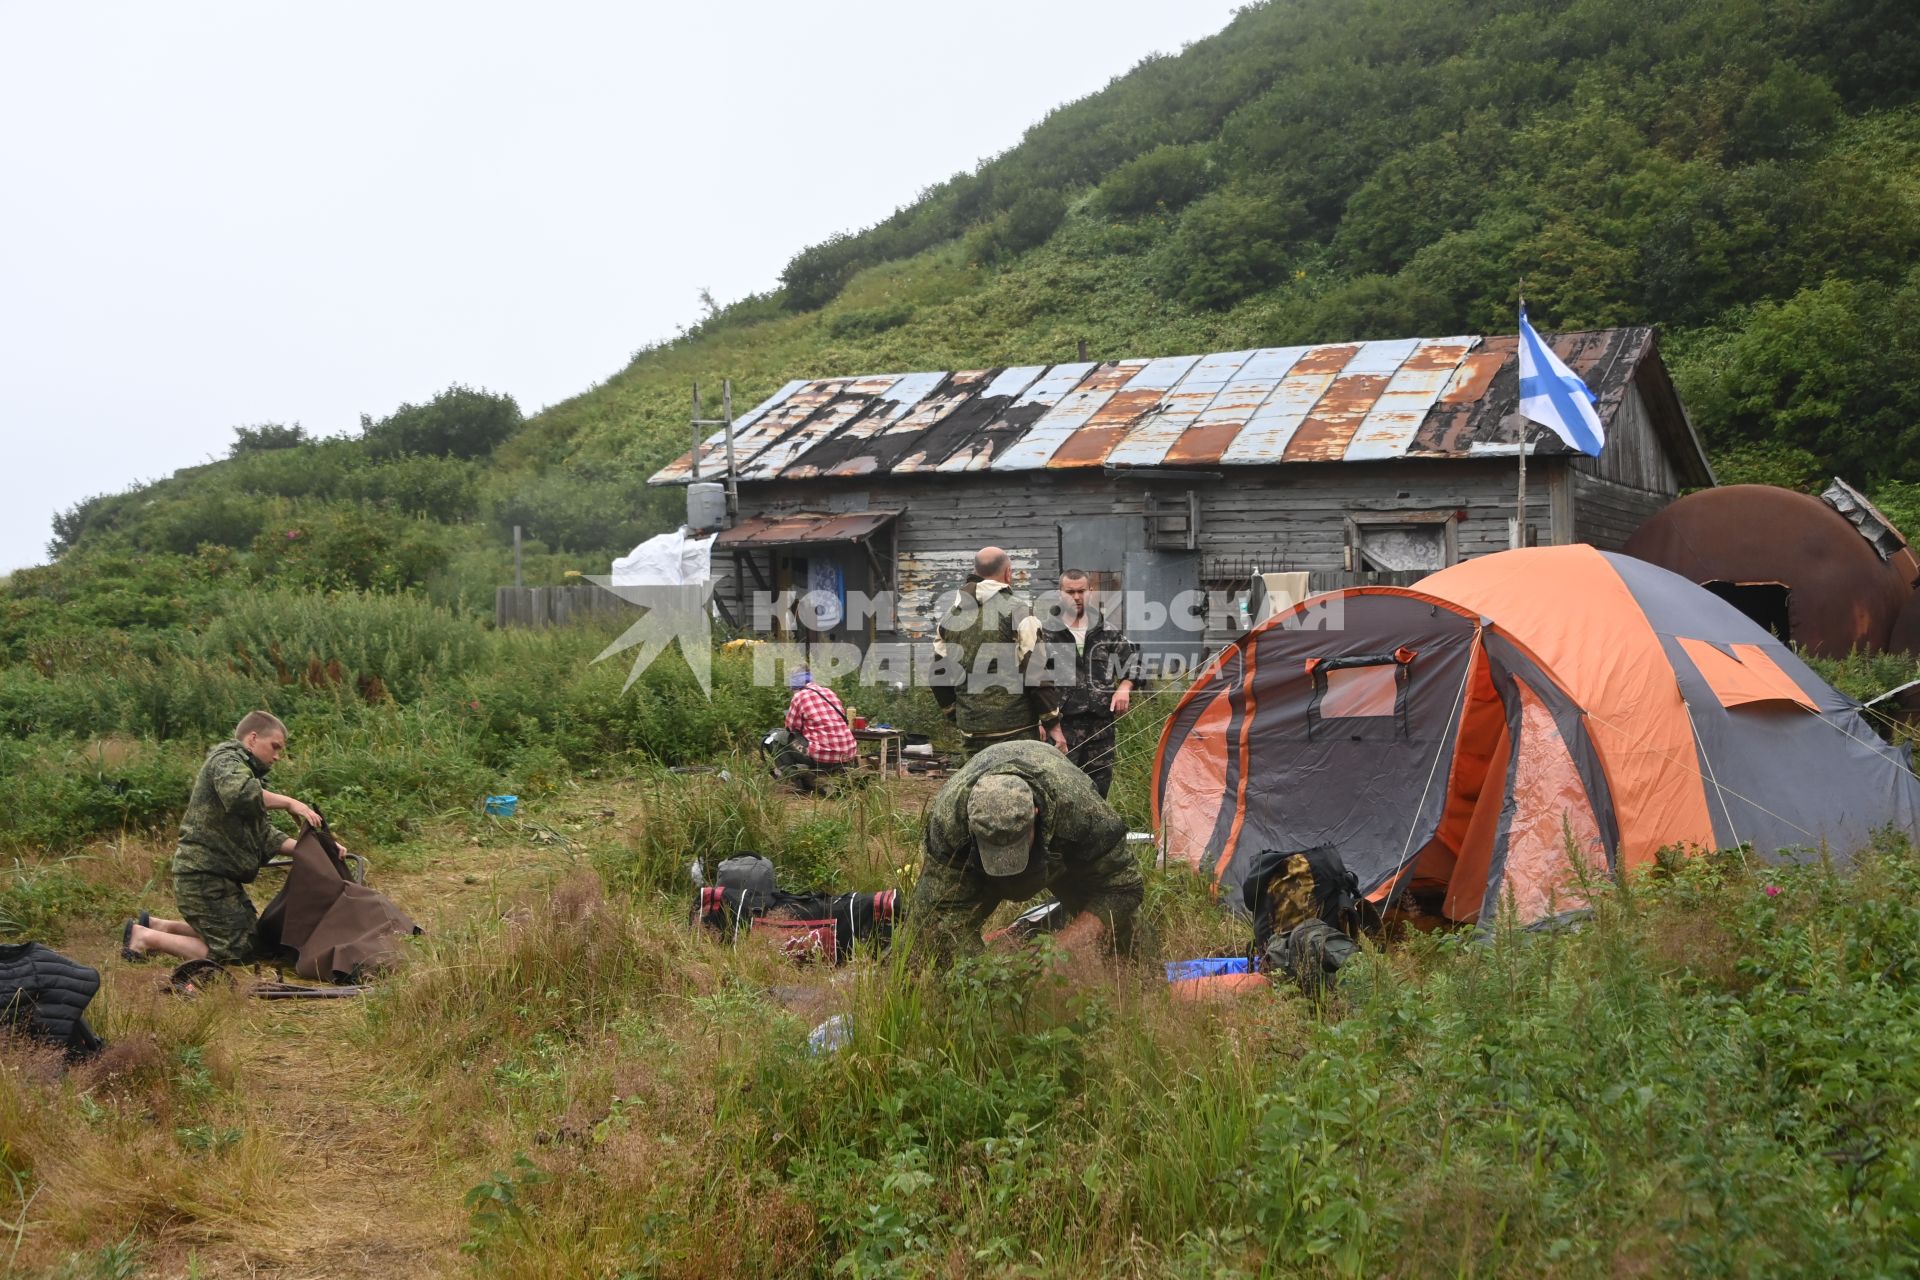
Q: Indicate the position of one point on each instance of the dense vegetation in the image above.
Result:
(1714, 1078)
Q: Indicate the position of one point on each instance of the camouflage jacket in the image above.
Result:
(1074, 828)
(992, 674)
(226, 831)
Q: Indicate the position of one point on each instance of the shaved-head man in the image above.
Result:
(996, 682)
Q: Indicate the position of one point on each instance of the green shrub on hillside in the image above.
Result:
(1835, 370)
(113, 587)
(459, 422)
(1777, 464)
(1165, 178)
(1226, 246)
(586, 506)
(266, 437)
(1025, 226)
(861, 322)
(348, 548)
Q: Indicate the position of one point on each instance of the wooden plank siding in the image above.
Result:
(1606, 514)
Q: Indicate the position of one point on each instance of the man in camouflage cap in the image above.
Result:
(1017, 819)
(225, 838)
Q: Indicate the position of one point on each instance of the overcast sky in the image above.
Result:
(223, 214)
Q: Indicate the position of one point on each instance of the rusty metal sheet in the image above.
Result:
(713, 450)
(1036, 448)
(1491, 375)
(969, 422)
(1271, 429)
(844, 452)
(901, 438)
(1148, 444)
(787, 417)
(1013, 422)
(1133, 404)
(1438, 397)
(799, 527)
(1390, 425)
(847, 454)
(780, 458)
(1344, 405)
(1208, 438)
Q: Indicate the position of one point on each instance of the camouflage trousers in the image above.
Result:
(972, 744)
(1090, 745)
(952, 904)
(222, 914)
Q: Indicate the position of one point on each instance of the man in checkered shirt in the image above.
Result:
(822, 735)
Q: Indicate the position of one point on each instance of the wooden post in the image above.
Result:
(1081, 348)
(733, 485)
(1520, 523)
(517, 580)
(696, 431)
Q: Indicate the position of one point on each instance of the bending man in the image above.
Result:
(1017, 819)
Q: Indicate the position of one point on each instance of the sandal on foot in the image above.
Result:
(127, 952)
(146, 920)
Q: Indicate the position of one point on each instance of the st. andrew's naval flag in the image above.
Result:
(1554, 396)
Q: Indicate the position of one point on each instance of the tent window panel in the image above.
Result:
(1360, 691)
(1365, 693)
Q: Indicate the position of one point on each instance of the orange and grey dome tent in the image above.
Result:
(1468, 739)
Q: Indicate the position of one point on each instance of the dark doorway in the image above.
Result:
(1765, 602)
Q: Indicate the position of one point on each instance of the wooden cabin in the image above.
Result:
(1354, 462)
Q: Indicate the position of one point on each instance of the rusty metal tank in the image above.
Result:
(1829, 574)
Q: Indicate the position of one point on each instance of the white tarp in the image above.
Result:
(669, 560)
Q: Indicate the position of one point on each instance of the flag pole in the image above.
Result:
(1519, 535)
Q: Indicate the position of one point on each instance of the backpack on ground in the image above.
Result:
(1284, 890)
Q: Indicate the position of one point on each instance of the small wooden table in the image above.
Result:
(886, 738)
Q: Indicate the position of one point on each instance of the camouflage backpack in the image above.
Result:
(1285, 890)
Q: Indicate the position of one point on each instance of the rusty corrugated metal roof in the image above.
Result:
(805, 526)
(1341, 402)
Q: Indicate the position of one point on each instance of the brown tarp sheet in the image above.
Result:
(340, 931)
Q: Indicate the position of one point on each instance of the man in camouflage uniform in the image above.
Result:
(1104, 663)
(993, 676)
(1019, 818)
(225, 838)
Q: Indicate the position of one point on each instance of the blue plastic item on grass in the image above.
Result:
(502, 806)
(1212, 967)
(830, 1036)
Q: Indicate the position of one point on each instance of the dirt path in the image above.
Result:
(362, 1189)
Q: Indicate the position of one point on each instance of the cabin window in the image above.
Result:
(1400, 541)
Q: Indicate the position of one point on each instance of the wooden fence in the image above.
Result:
(556, 606)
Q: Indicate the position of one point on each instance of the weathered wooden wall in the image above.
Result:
(1276, 518)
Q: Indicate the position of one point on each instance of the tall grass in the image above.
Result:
(1713, 1077)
